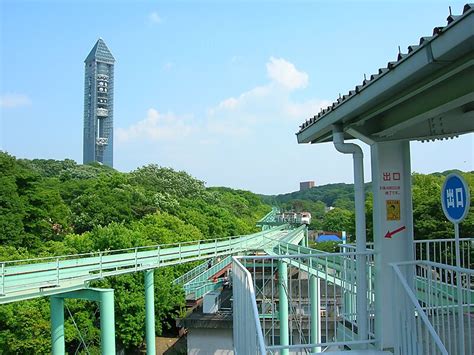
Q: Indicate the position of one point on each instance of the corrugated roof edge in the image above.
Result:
(451, 19)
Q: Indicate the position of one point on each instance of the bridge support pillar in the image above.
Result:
(150, 312)
(107, 322)
(57, 325)
(283, 304)
(105, 298)
(315, 299)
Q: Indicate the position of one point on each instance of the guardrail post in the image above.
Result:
(136, 259)
(100, 259)
(2, 292)
(158, 255)
(180, 252)
(306, 237)
(199, 248)
(283, 305)
(57, 271)
(314, 294)
(216, 247)
(459, 290)
(57, 325)
(150, 312)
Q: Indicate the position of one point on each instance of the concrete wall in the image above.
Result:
(210, 342)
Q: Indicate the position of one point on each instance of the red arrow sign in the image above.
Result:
(390, 234)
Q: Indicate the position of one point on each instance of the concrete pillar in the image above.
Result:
(392, 212)
(315, 299)
(107, 322)
(283, 304)
(150, 312)
(57, 325)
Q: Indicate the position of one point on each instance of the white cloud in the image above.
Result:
(303, 110)
(286, 74)
(267, 104)
(234, 117)
(155, 127)
(14, 100)
(154, 17)
(234, 137)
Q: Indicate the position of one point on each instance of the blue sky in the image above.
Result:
(217, 89)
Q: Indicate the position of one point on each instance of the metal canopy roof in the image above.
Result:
(427, 93)
(101, 53)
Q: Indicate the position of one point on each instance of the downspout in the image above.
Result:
(359, 197)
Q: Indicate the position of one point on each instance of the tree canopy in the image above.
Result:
(50, 207)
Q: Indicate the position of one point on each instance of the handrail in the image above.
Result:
(251, 294)
(431, 263)
(442, 240)
(132, 249)
(191, 274)
(420, 311)
(20, 280)
(304, 256)
(212, 270)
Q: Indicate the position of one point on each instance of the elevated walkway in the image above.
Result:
(31, 278)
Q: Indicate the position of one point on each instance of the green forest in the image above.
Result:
(50, 207)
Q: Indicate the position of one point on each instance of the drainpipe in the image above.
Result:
(359, 196)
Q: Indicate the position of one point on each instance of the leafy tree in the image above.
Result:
(338, 219)
(158, 179)
(12, 206)
(105, 201)
(25, 327)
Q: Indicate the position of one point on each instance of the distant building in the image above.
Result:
(306, 185)
(99, 105)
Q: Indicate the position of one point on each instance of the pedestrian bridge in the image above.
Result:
(288, 297)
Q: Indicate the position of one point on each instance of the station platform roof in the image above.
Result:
(426, 94)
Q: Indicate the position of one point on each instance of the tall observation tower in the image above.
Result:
(99, 105)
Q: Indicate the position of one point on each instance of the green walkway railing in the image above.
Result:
(25, 279)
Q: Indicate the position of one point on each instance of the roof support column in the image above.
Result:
(393, 231)
(359, 197)
(57, 325)
(150, 312)
(283, 304)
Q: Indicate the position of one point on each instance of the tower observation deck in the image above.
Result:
(98, 105)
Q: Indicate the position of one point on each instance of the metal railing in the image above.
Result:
(319, 291)
(443, 251)
(193, 273)
(215, 268)
(28, 278)
(436, 316)
(248, 336)
(196, 290)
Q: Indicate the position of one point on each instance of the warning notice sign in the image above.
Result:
(393, 210)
